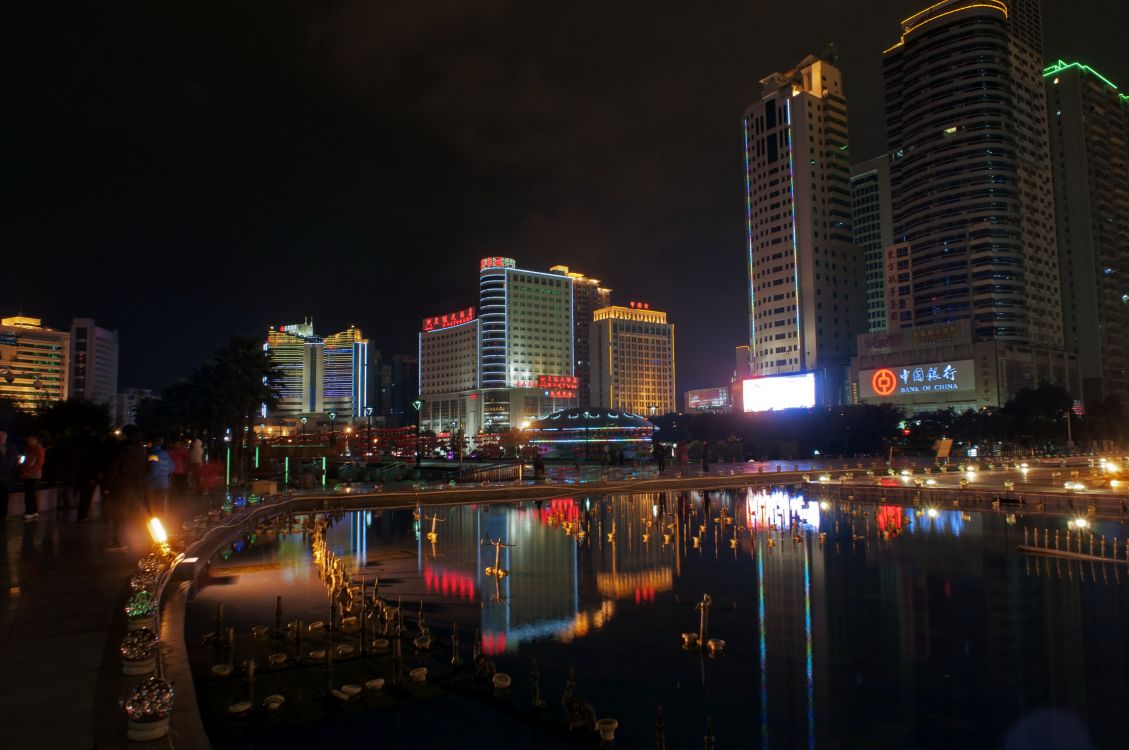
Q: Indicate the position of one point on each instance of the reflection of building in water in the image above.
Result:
(792, 619)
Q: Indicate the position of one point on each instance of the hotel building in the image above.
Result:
(449, 374)
(34, 362)
(1088, 122)
(527, 349)
(632, 355)
(319, 375)
(806, 288)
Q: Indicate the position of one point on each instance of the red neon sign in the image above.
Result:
(558, 381)
(884, 382)
(450, 319)
(641, 305)
(495, 263)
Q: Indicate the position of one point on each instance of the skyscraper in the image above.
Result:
(587, 296)
(806, 293)
(448, 373)
(34, 362)
(632, 354)
(527, 340)
(873, 232)
(973, 227)
(1088, 122)
(319, 374)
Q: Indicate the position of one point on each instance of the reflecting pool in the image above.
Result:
(855, 625)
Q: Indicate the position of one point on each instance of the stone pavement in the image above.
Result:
(61, 621)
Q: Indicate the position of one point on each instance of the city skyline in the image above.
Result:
(222, 170)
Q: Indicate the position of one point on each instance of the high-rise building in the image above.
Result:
(319, 374)
(403, 388)
(806, 290)
(873, 231)
(587, 297)
(632, 354)
(449, 375)
(973, 223)
(1089, 122)
(34, 362)
(94, 362)
(127, 401)
(527, 343)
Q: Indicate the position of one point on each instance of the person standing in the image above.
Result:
(85, 470)
(31, 471)
(660, 455)
(179, 454)
(196, 464)
(9, 460)
(157, 476)
(125, 480)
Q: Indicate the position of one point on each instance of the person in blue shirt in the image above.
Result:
(157, 476)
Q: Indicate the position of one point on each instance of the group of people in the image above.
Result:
(132, 475)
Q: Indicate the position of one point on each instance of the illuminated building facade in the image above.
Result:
(806, 289)
(970, 175)
(587, 297)
(449, 374)
(873, 231)
(632, 355)
(34, 362)
(94, 362)
(526, 332)
(1088, 122)
(319, 375)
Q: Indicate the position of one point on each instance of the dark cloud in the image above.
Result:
(183, 171)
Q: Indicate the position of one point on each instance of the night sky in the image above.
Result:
(184, 171)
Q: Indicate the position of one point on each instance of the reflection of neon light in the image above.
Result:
(763, 647)
(810, 682)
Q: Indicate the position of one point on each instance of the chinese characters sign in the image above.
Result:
(931, 379)
(565, 382)
(496, 263)
(446, 321)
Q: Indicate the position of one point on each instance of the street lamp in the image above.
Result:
(368, 435)
(303, 420)
(332, 418)
(417, 405)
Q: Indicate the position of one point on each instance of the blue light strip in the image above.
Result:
(763, 647)
(810, 682)
(795, 249)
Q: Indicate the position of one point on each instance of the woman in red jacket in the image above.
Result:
(31, 471)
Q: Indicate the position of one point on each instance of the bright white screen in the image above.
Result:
(779, 392)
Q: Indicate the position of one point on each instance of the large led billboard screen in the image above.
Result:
(779, 392)
(706, 399)
(932, 379)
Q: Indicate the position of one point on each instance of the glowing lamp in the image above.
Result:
(157, 531)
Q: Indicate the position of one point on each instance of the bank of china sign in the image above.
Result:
(931, 379)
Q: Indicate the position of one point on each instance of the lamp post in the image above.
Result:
(368, 435)
(332, 418)
(303, 420)
(417, 405)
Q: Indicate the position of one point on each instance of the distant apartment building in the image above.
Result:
(319, 375)
(34, 362)
(126, 403)
(587, 297)
(1089, 131)
(872, 224)
(94, 363)
(632, 355)
(806, 288)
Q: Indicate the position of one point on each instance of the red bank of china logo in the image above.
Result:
(884, 382)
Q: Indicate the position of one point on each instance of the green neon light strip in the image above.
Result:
(286, 471)
(1062, 65)
(228, 470)
(323, 471)
(256, 456)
